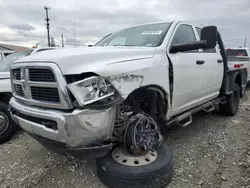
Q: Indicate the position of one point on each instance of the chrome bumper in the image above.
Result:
(75, 129)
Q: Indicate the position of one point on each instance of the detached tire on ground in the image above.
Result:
(232, 102)
(7, 125)
(156, 174)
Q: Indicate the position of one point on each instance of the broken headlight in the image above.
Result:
(91, 89)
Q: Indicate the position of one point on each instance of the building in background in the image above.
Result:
(9, 47)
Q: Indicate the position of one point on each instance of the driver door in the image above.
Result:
(188, 71)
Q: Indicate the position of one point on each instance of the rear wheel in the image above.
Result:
(242, 92)
(120, 169)
(232, 102)
(7, 125)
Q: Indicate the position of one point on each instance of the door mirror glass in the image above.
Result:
(209, 34)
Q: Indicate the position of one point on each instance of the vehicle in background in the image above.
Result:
(7, 125)
(113, 100)
(4, 54)
(238, 58)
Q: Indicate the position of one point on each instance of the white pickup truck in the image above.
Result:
(111, 100)
(7, 125)
(4, 54)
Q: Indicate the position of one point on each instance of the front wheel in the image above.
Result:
(7, 125)
(120, 169)
(232, 102)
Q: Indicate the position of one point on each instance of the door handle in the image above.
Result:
(200, 62)
(219, 61)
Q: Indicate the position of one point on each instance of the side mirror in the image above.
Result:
(188, 46)
(208, 41)
(209, 34)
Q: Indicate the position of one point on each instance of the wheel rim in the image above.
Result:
(4, 122)
(122, 156)
(142, 135)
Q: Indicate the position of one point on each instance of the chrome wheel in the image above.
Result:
(4, 122)
(122, 156)
(142, 135)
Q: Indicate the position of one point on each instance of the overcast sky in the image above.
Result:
(22, 22)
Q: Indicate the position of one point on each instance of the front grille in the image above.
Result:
(45, 94)
(18, 90)
(16, 73)
(41, 75)
(40, 84)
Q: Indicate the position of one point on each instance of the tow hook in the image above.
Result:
(142, 135)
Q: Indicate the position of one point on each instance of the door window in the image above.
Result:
(184, 34)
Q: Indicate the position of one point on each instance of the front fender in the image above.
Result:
(126, 83)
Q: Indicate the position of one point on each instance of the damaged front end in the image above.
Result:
(87, 125)
(137, 117)
(100, 118)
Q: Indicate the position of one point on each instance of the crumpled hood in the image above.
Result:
(90, 59)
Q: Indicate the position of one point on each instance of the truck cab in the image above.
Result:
(189, 91)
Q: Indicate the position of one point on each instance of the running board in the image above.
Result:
(209, 107)
(186, 119)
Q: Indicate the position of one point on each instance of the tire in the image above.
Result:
(230, 108)
(154, 175)
(7, 126)
(242, 92)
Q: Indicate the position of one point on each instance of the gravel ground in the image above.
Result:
(212, 152)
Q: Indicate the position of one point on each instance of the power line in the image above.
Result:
(47, 23)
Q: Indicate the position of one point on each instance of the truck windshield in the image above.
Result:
(150, 35)
(236, 52)
(6, 62)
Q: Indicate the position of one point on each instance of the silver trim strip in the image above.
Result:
(42, 84)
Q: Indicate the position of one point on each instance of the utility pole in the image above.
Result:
(47, 23)
(52, 42)
(74, 32)
(245, 42)
(62, 40)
